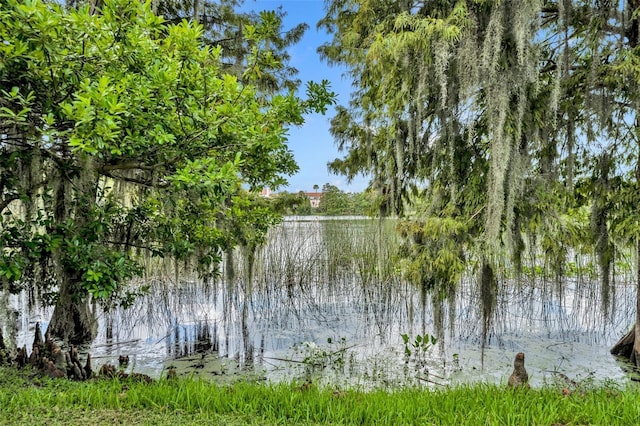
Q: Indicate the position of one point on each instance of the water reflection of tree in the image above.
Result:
(295, 298)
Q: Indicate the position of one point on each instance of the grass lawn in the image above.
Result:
(27, 399)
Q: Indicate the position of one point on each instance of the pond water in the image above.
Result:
(324, 304)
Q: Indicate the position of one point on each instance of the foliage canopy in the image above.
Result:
(123, 135)
(510, 119)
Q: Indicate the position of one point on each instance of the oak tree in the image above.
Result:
(122, 136)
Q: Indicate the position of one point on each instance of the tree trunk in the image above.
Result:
(196, 10)
(95, 6)
(73, 320)
(636, 344)
(629, 345)
(633, 43)
(624, 347)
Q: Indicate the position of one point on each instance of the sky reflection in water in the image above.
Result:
(315, 297)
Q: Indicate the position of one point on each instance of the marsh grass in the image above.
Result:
(365, 247)
(26, 400)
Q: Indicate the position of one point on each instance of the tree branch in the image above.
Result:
(5, 202)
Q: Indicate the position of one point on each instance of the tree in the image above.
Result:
(429, 109)
(363, 203)
(333, 201)
(291, 203)
(522, 113)
(254, 49)
(122, 135)
(242, 52)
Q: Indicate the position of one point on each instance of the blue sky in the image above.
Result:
(312, 144)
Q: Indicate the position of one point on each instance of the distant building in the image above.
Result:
(314, 199)
(266, 192)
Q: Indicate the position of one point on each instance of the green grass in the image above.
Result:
(34, 401)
